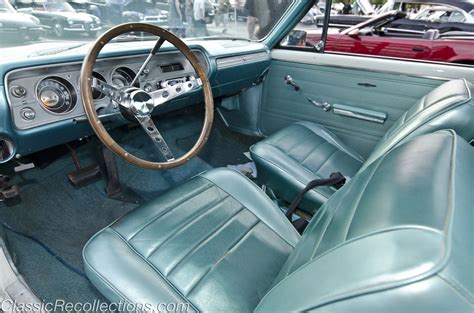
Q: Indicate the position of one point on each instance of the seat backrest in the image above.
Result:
(398, 235)
(449, 106)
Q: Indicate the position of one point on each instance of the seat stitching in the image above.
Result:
(204, 240)
(190, 221)
(284, 137)
(359, 198)
(412, 127)
(105, 281)
(378, 286)
(228, 252)
(404, 281)
(304, 141)
(152, 267)
(337, 209)
(332, 139)
(289, 156)
(459, 289)
(281, 237)
(327, 160)
(326, 225)
(298, 143)
(170, 209)
(312, 150)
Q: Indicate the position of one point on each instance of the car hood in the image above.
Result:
(77, 16)
(17, 20)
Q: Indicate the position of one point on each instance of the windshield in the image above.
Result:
(69, 21)
(58, 6)
(5, 7)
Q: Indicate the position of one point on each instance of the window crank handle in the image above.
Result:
(289, 80)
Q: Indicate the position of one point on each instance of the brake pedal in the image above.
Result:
(82, 176)
(7, 191)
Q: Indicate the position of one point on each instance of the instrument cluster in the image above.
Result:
(44, 95)
(56, 95)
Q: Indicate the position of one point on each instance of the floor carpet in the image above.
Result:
(64, 218)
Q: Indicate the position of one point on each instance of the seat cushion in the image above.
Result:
(396, 238)
(288, 160)
(216, 242)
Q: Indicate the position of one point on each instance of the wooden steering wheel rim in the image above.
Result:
(89, 106)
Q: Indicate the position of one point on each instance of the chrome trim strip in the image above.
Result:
(239, 59)
(361, 114)
(401, 67)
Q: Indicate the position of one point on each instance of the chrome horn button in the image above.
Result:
(141, 103)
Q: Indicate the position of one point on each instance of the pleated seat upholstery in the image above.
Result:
(396, 237)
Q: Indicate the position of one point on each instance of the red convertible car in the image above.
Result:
(376, 37)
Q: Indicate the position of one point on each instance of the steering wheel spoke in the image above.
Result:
(137, 104)
(108, 90)
(168, 93)
(149, 126)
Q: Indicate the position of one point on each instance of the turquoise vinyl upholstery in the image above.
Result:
(289, 159)
(397, 235)
(215, 237)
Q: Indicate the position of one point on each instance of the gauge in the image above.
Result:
(96, 94)
(56, 95)
(122, 77)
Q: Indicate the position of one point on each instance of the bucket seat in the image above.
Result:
(289, 159)
(398, 235)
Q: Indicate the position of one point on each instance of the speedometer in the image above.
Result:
(56, 95)
(122, 77)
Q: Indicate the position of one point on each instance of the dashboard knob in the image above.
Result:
(27, 114)
(148, 88)
(18, 91)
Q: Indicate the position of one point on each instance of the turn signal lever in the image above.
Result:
(289, 80)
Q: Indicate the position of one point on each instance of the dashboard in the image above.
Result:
(44, 95)
(40, 98)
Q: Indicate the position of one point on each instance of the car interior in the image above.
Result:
(125, 176)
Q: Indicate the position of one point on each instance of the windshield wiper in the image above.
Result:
(55, 50)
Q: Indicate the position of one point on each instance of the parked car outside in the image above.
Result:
(17, 26)
(60, 18)
(457, 15)
(373, 37)
(96, 8)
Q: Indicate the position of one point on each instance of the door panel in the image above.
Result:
(365, 90)
(408, 48)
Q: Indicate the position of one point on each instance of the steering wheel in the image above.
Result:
(138, 104)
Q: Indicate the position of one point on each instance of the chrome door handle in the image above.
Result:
(324, 105)
(289, 80)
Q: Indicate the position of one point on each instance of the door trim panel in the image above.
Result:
(365, 102)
